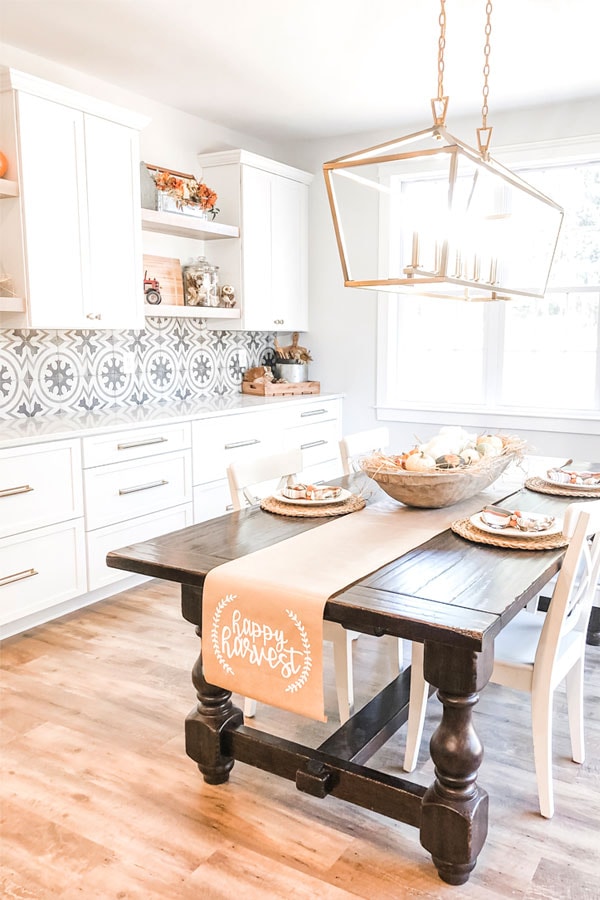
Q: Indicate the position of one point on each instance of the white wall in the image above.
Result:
(343, 321)
(172, 139)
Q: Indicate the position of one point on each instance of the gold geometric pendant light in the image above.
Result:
(428, 214)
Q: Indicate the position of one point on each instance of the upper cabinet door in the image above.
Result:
(72, 239)
(269, 267)
(289, 254)
(114, 226)
(275, 242)
(54, 211)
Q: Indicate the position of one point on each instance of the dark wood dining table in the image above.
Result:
(449, 593)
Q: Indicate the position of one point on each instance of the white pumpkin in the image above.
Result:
(419, 462)
(486, 448)
(491, 439)
(470, 455)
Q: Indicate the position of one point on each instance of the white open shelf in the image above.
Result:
(191, 312)
(8, 188)
(12, 304)
(186, 226)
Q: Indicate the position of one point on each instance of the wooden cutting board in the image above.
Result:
(168, 274)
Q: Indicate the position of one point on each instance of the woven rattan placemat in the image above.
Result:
(542, 487)
(352, 504)
(466, 529)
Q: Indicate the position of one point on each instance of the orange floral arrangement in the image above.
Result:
(187, 191)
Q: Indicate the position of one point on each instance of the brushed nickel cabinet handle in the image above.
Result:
(96, 316)
(143, 487)
(21, 489)
(229, 507)
(18, 576)
(313, 412)
(241, 444)
(312, 444)
(144, 443)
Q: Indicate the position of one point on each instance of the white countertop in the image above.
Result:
(14, 432)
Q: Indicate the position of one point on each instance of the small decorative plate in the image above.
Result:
(555, 528)
(343, 495)
(569, 486)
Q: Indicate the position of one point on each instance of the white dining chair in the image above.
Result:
(536, 652)
(246, 478)
(360, 443)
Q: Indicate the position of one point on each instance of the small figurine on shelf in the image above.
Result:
(227, 296)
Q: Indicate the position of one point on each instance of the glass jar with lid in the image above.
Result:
(200, 282)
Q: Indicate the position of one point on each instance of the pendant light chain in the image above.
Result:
(484, 133)
(441, 48)
(439, 105)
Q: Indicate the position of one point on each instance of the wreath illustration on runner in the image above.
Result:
(303, 678)
(214, 632)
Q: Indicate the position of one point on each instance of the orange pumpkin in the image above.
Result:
(3, 165)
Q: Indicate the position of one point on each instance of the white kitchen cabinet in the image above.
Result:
(72, 238)
(137, 484)
(40, 569)
(42, 555)
(316, 429)
(217, 442)
(268, 266)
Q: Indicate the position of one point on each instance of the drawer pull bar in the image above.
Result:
(146, 443)
(313, 412)
(142, 487)
(312, 444)
(18, 576)
(10, 492)
(241, 444)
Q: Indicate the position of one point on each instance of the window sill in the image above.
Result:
(496, 419)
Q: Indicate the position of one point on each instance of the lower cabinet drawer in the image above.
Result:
(103, 540)
(211, 500)
(39, 484)
(218, 442)
(41, 568)
(125, 491)
(318, 442)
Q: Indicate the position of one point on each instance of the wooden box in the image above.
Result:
(281, 390)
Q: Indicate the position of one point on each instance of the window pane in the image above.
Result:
(441, 354)
(550, 349)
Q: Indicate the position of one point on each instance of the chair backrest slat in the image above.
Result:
(361, 443)
(573, 595)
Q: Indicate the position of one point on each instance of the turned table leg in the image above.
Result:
(205, 724)
(455, 810)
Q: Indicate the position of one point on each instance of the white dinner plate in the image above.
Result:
(572, 487)
(343, 495)
(555, 528)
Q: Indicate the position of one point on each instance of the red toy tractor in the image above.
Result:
(152, 290)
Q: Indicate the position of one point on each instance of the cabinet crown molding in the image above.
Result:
(245, 157)
(13, 79)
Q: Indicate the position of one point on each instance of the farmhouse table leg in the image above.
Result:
(455, 810)
(204, 726)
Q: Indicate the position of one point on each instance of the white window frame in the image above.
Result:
(494, 416)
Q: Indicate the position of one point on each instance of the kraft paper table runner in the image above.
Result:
(262, 614)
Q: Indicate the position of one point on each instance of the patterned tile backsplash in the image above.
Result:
(45, 372)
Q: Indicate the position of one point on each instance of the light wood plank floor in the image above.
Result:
(99, 799)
